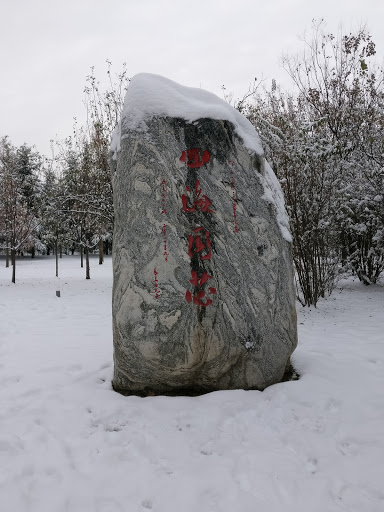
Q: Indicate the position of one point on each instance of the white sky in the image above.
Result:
(47, 48)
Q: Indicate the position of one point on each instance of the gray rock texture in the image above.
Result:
(203, 295)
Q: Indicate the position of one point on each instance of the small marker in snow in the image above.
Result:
(58, 293)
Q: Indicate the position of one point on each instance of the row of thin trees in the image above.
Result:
(45, 208)
(65, 201)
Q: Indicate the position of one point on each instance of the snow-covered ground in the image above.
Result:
(68, 442)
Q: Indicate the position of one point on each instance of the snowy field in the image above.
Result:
(68, 442)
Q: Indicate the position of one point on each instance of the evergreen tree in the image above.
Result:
(19, 201)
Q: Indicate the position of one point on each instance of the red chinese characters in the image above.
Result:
(164, 228)
(165, 254)
(199, 246)
(199, 241)
(193, 159)
(200, 293)
(156, 283)
(201, 202)
(163, 210)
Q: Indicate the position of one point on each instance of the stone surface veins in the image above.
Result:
(203, 294)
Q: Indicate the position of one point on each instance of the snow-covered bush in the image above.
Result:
(325, 144)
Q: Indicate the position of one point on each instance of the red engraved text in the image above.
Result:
(200, 292)
(200, 243)
(163, 209)
(156, 283)
(201, 202)
(165, 254)
(193, 159)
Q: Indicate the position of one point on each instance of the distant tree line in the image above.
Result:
(66, 201)
(324, 140)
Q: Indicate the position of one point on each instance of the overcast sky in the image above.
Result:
(48, 47)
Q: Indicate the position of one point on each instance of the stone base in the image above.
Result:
(121, 384)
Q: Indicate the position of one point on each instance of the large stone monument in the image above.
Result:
(203, 295)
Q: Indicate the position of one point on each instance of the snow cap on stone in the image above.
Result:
(151, 95)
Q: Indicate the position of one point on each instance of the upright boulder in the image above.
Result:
(203, 295)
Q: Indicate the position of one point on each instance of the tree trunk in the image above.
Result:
(101, 252)
(7, 257)
(33, 252)
(81, 256)
(61, 251)
(87, 273)
(57, 259)
(13, 257)
(106, 247)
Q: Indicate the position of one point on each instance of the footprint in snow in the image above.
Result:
(348, 448)
(311, 465)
